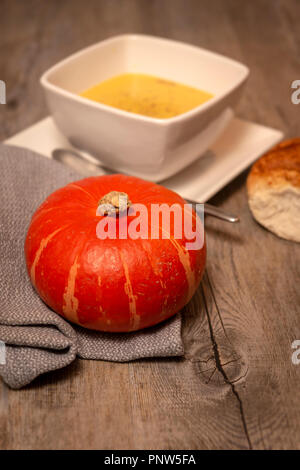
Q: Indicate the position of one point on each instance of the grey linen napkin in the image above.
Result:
(37, 340)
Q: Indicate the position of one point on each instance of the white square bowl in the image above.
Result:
(147, 147)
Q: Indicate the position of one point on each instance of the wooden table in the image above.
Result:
(236, 387)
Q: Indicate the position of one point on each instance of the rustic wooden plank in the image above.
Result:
(261, 318)
(267, 269)
(236, 386)
(190, 403)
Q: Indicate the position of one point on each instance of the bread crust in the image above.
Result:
(273, 186)
(280, 167)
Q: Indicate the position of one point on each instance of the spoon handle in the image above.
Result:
(214, 211)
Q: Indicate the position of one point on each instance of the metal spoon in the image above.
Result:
(87, 165)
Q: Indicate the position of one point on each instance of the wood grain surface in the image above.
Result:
(236, 387)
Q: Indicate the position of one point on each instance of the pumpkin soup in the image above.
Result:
(147, 95)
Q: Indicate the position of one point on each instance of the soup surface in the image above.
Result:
(147, 95)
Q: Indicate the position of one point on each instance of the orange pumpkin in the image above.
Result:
(115, 285)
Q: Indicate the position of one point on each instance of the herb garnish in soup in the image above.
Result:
(147, 95)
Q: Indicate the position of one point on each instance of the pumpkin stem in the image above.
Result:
(114, 202)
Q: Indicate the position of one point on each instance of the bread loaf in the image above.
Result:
(273, 186)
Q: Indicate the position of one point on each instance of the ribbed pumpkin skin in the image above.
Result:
(108, 285)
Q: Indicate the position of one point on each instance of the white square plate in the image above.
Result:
(239, 146)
